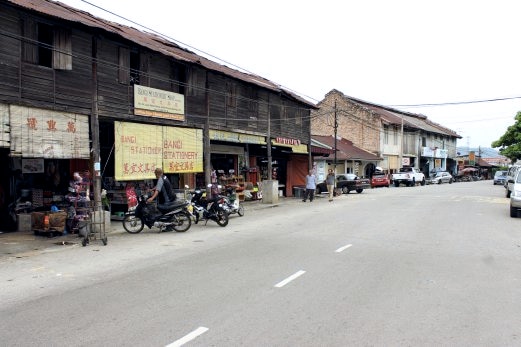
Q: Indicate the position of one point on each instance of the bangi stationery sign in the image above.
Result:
(141, 148)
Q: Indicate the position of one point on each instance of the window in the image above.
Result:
(197, 82)
(128, 66)
(47, 45)
(298, 116)
(395, 136)
(231, 95)
(134, 68)
(386, 134)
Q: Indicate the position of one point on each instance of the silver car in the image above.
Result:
(500, 177)
(441, 177)
(515, 195)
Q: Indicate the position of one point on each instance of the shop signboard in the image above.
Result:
(295, 144)
(158, 103)
(228, 136)
(182, 150)
(39, 133)
(141, 148)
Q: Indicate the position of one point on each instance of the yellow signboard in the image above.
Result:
(158, 103)
(141, 148)
(182, 150)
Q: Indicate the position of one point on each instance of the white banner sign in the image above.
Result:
(38, 133)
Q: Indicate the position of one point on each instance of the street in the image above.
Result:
(410, 266)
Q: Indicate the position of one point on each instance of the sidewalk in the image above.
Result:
(23, 244)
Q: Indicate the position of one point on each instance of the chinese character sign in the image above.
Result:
(138, 150)
(49, 134)
(182, 150)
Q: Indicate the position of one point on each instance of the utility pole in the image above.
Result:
(206, 141)
(268, 143)
(94, 126)
(336, 127)
(400, 156)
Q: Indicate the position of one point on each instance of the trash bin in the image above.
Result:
(298, 191)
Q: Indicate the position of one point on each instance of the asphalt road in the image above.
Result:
(409, 266)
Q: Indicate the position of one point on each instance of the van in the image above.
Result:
(511, 176)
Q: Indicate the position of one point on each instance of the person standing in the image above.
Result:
(330, 182)
(311, 186)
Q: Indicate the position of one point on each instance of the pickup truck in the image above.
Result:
(346, 183)
(408, 176)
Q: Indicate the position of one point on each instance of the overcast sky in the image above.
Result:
(401, 52)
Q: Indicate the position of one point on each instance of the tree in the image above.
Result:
(510, 141)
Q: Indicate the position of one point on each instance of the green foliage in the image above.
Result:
(510, 141)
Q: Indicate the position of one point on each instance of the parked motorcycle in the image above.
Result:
(209, 208)
(233, 204)
(175, 217)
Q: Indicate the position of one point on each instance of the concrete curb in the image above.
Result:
(24, 244)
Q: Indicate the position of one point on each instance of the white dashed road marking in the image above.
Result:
(343, 248)
(189, 337)
(290, 278)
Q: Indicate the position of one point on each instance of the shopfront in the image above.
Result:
(141, 148)
(233, 162)
(47, 150)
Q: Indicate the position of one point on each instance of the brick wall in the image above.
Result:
(355, 122)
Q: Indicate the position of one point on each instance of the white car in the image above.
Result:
(515, 195)
(441, 177)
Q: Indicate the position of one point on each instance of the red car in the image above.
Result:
(380, 180)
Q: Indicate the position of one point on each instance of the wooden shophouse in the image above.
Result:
(79, 93)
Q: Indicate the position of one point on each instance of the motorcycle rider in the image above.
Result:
(162, 191)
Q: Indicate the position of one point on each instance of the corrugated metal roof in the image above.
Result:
(345, 148)
(149, 40)
(410, 120)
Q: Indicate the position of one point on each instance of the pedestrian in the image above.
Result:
(311, 186)
(330, 182)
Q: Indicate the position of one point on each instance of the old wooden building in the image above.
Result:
(79, 93)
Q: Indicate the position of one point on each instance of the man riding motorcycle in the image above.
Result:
(163, 191)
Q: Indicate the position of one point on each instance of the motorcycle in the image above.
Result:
(209, 209)
(233, 204)
(175, 217)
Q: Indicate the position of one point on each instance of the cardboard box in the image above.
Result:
(24, 222)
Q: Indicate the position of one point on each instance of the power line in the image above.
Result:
(289, 89)
(458, 102)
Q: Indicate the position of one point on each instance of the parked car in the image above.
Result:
(380, 179)
(409, 176)
(441, 177)
(346, 183)
(509, 182)
(515, 195)
(500, 177)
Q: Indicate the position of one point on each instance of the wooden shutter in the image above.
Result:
(30, 47)
(62, 52)
(124, 66)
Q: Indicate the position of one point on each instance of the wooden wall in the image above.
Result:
(72, 90)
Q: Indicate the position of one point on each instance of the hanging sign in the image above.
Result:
(158, 103)
(39, 133)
